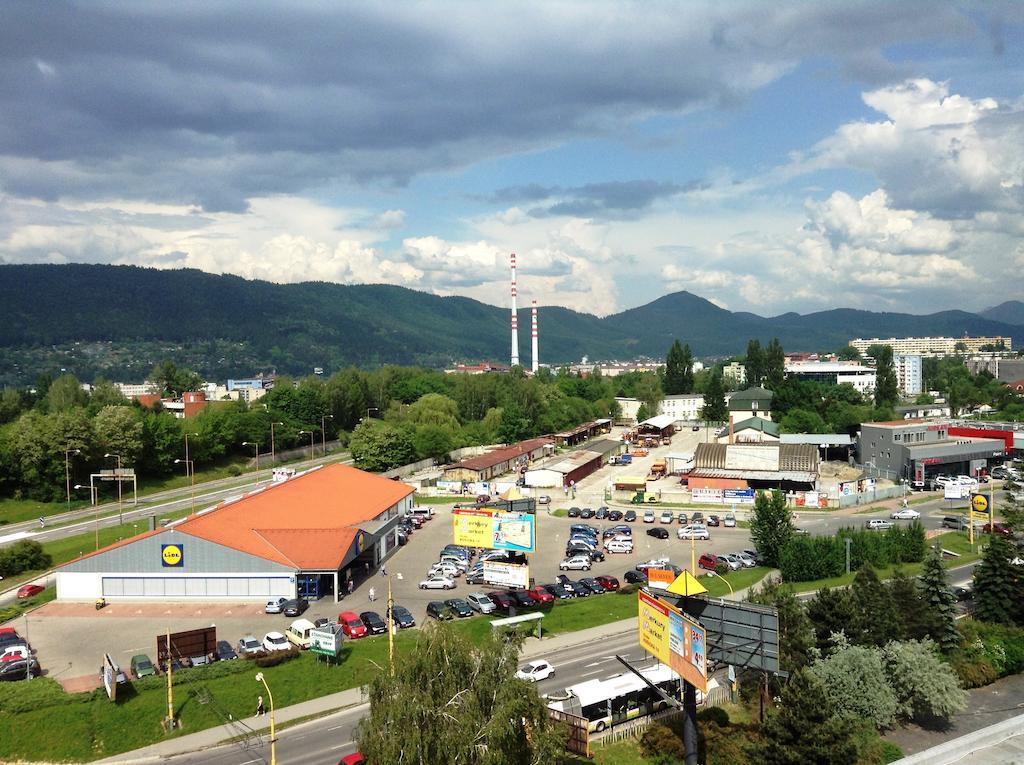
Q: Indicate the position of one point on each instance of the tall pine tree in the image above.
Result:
(875, 620)
(887, 389)
(754, 363)
(675, 380)
(687, 371)
(714, 399)
(998, 584)
(774, 365)
(939, 601)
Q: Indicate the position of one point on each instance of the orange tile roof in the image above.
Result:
(308, 521)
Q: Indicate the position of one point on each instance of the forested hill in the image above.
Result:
(225, 325)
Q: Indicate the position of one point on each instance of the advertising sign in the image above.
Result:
(494, 529)
(110, 673)
(172, 556)
(326, 640)
(506, 574)
(660, 578)
(711, 496)
(188, 644)
(674, 639)
(739, 496)
(955, 491)
(981, 505)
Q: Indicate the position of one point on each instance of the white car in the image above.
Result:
(249, 644)
(275, 641)
(667, 517)
(443, 569)
(648, 516)
(438, 583)
(878, 524)
(576, 562)
(905, 514)
(746, 559)
(479, 601)
(694, 531)
(619, 545)
(729, 520)
(538, 669)
(274, 606)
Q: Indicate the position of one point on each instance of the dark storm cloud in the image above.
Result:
(612, 199)
(211, 103)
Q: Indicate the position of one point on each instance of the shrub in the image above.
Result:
(23, 555)
(926, 688)
(234, 470)
(275, 658)
(715, 715)
(627, 589)
(973, 672)
(661, 745)
(721, 569)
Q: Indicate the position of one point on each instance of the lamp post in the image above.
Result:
(715, 573)
(273, 452)
(257, 447)
(190, 470)
(273, 738)
(120, 512)
(310, 434)
(371, 409)
(95, 502)
(67, 471)
(323, 430)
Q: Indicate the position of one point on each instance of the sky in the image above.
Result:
(770, 157)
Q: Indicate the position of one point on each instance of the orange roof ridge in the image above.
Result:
(279, 550)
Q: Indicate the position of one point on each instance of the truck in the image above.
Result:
(659, 468)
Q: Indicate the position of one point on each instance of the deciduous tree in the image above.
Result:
(770, 525)
(714, 409)
(854, 678)
(926, 688)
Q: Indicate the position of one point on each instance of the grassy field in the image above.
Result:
(19, 607)
(953, 541)
(745, 577)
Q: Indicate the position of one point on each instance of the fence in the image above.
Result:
(864, 497)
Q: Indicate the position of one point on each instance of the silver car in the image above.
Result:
(576, 562)
(479, 601)
(745, 559)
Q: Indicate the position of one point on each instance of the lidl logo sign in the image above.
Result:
(979, 503)
(172, 555)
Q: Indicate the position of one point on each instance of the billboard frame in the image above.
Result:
(481, 527)
(744, 635)
(674, 638)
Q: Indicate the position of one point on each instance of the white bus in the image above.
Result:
(610, 701)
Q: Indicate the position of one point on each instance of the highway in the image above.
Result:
(326, 740)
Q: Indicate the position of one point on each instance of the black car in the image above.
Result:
(568, 585)
(584, 528)
(581, 590)
(459, 607)
(558, 592)
(574, 512)
(683, 520)
(439, 610)
(614, 515)
(402, 616)
(634, 577)
(594, 585)
(521, 599)
(11, 638)
(602, 513)
(963, 593)
(323, 621)
(586, 513)
(19, 669)
(713, 521)
(402, 537)
(295, 607)
(629, 516)
(658, 532)
(374, 623)
(225, 651)
(593, 553)
(697, 517)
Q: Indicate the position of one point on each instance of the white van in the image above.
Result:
(424, 512)
(298, 633)
(619, 545)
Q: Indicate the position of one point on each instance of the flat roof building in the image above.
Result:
(917, 450)
(834, 373)
(497, 462)
(931, 346)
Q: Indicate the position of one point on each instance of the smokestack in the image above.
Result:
(533, 318)
(515, 316)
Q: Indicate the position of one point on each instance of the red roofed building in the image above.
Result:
(297, 538)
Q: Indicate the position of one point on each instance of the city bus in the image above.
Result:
(613, 700)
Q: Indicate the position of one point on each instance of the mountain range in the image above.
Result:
(64, 316)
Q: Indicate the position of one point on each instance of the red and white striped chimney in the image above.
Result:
(533, 332)
(515, 316)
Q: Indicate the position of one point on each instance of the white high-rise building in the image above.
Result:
(909, 373)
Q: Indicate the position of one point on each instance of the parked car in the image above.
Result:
(729, 521)
(501, 600)
(14, 652)
(275, 641)
(522, 599)
(459, 607)
(608, 582)
(373, 621)
(573, 512)
(614, 515)
(224, 651)
(732, 562)
(649, 516)
(444, 570)
(963, 593)
(322, 621)
(544, 499)
(746, 559)
(997, 528)
(697, 517)
(141, 666)
(274, 606)
(438, 583)
(249, 644)
(295, 607)
(539, 594)
(28, 590)
(634, 577)
(683, 520)
(583, 539)
(593, 585)
(694, 531)
(629, 516)
(351, 625)
(579, 590)
(584, 528)
(878, 524)
(667, 517)
(602, 513)
(586, 513)
(713, 520)
(659, 533)
(619, 545)
(708, 561)
(538, 669)
(904, 514)
(479, 601)
(438, 610)
(575, 563)
(593, 553)
(557, 591)
(754, 554)
(19, 669)
(402, 617)
(352, 759)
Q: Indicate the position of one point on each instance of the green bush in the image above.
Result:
(999, 647)
(806, 559)
(627, 589)
(234, 470)
(715, 715)
(973, 672)
(661, 745)
(721, 569)
(275, 658)
(23, 555)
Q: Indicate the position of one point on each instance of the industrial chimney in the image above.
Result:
(533, 318)
(515, 317)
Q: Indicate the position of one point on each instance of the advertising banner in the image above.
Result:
(981, 507)
(674, 639)
(955, 491)
(507, 574)
(326, 640)
(739, 496)
(711, 496)
(494, 529)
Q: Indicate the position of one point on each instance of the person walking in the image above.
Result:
(260, 709)
(383, 570)
(351, 586)
(373, 595)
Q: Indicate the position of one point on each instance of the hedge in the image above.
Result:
(806, 559)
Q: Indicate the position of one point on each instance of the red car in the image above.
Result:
(28, 590)
(608, 582)
(541, 595)
(989, 528)
(351, 625)
(708, 561)
(352, 759)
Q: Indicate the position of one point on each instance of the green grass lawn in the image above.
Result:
(620, 753)
(745, 577)
(423, 499)
(560, 513)
(19, 607)
(954, 541)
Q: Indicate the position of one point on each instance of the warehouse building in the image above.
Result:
(567, 470)
(302, 537)
(918, 450)
(497, 462)
(746, 467)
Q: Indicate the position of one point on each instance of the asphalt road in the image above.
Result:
(326, 740)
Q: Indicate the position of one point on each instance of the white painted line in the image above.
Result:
(337, 727)
(15, 537)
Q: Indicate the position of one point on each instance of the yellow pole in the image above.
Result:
(273, 737)
(170, 686)
(693, 555)
(391, 629)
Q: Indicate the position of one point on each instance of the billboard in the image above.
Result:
(955, 490)
(981, 507)
(738, 496)
(326, 640)
(494, 529)
(187, 645)
(676, 640)
(739, 634)
(506, 574)
(111, 675)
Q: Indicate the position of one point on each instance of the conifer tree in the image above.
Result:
(939, 601)
(998, 584)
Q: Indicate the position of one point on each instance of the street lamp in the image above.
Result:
(190, 470)
(95, 502)
(120, 513)
(310, 433)
(257, 447)
(371, 409)
(273, 453)
(273, 738)
(67, 471)
(323, 430)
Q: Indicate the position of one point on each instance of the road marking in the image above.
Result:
(336, 727)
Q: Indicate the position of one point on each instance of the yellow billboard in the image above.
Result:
(494, 529)
(674, 639)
